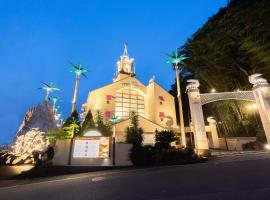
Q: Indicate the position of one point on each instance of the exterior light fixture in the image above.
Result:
(267, 147)
(213, 90)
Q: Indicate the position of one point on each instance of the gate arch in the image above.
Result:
(260, 94)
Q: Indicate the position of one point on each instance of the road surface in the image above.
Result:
(237, 179)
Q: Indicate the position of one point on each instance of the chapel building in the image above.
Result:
(154, 106)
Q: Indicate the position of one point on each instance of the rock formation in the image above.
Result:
(40, 117)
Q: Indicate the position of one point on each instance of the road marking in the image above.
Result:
(88, 175)
(95, 179)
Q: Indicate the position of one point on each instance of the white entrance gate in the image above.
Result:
(260, 94)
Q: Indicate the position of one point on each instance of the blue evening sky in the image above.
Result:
(38, 39)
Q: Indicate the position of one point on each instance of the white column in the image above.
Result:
(261, 91)
(213, 130)
(201, 142)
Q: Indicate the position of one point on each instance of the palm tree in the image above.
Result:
(49, 88)
(78, 70)
(177, 61)
(55, 100)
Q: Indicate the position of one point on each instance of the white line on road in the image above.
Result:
(95, 179)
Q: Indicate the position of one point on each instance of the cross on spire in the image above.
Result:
(125, 49)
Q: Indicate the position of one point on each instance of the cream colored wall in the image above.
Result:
(150, 102)
(154, 107)
(148, 127)
(97, 99)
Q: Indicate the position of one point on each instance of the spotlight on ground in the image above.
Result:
(267, 147)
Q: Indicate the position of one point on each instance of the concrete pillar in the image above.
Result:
(213, 137)
(261, 91)
(201, 142)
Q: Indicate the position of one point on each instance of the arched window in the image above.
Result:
(127, 100)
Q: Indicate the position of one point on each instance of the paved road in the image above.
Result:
(248, 179)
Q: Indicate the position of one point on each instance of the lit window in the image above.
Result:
(128, 100)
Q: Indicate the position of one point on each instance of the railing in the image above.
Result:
(239, 95)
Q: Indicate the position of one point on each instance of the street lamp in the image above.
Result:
(114, 120)
(177, 61)
(49, 88)
(71, 130)
(55, 100)
(78, 71)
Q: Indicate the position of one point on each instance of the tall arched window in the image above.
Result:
(127, 100)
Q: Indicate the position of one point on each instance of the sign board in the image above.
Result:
(91, 148)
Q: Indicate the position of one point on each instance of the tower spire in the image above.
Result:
(125, 66)
(125, 49)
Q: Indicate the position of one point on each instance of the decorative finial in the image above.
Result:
(125, 49)
(153, 79)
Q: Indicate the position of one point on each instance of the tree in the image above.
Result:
(104, 127)
(88, 122)
(223, 52)
(164, 139)
(72, 119)
(134, 136)
(177, 61)
(78, 71)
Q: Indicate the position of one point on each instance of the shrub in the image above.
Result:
(260, 136)
(135, 137)
(252, 146)
(164, 139)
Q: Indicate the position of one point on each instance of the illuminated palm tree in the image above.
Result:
(55, 100)
(178, 62)
(78, 71)
(49, 88)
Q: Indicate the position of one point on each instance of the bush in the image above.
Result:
(164, 139)
(260, 136)
(135, 137)
(250, 146)
(153, 156)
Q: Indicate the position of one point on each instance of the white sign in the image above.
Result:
(86, 149)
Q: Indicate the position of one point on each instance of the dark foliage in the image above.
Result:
(88, 122)
(74, 117)
(164, 139)
(135, 137)
(233, 44)
(253, 146)
(104, 128)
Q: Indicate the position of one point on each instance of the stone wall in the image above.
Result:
(235, 144)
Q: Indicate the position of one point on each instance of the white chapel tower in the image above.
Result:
(125, 66)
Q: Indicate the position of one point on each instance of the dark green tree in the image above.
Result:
(88, 122)
(104, 127)
(134, 136)
(71, 120)
(164, 139)
(231, 45)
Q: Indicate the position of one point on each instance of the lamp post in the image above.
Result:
(49, 88)
(55, 100)
(177, 61)
(78, 71)
(114, 120)
(70, 130)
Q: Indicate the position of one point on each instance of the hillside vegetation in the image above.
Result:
(232, 44)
